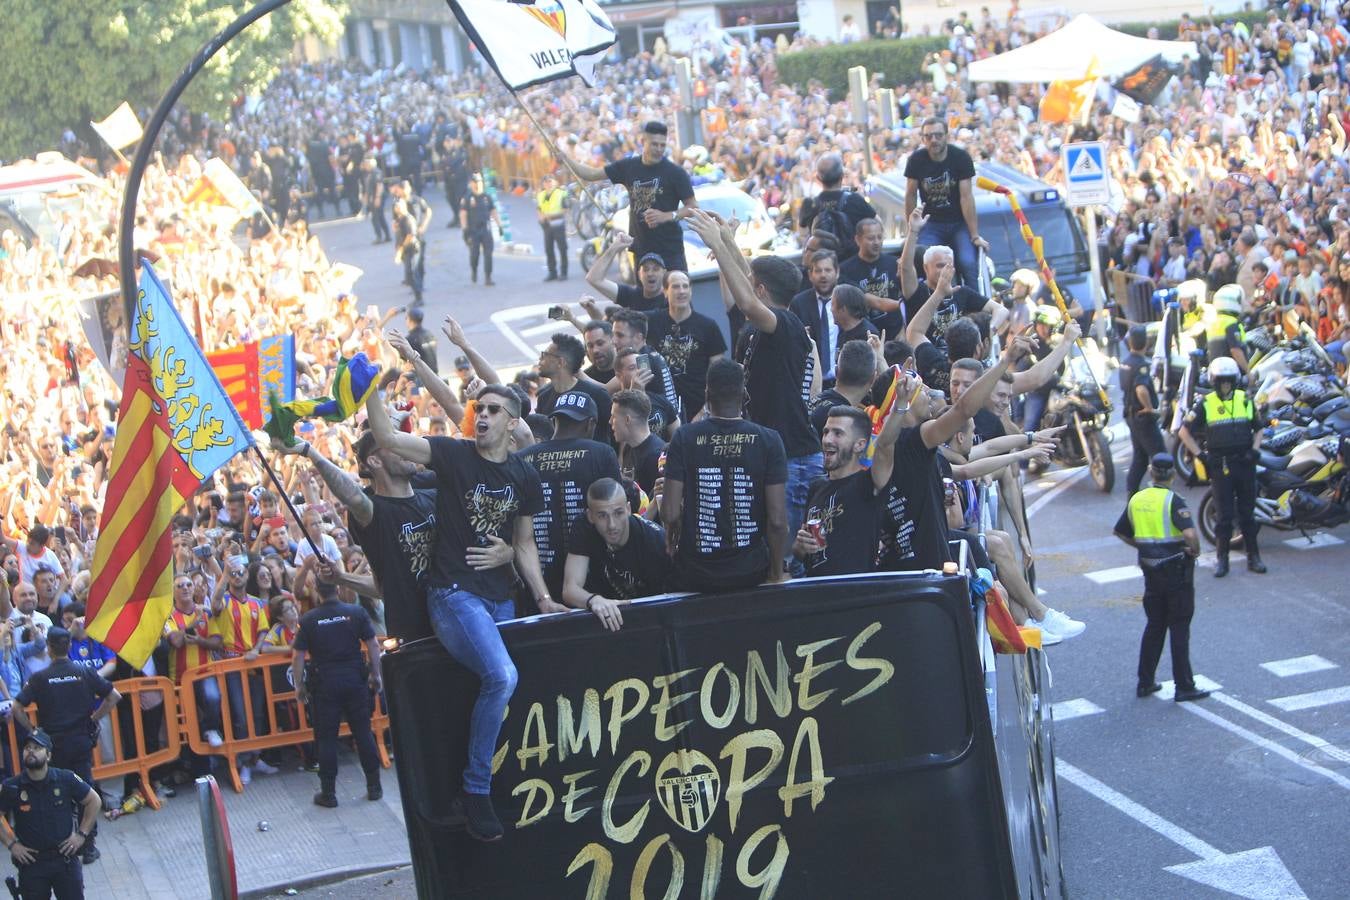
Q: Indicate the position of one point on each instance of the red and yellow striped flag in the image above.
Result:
(175, 427)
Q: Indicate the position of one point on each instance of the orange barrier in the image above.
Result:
(267, 673)
(132, 690)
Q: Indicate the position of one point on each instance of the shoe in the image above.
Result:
(327, 801)
(1190, 694)
(551, 277)
(489, 282)
(89, 855)
(165, 790)
(213, 738)
(374, 791)
(245, 775)
(1049, 638)
(1254, 564)
(473, 276)
(1221, 567)
(1060, 624)
(480, 819)
(562, 277)
(1144, 690)
(263, 768)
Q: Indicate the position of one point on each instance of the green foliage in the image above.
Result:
(65, 62)
(901, 61)
(1167, 31)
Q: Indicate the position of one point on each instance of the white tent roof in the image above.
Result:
(1065, 55)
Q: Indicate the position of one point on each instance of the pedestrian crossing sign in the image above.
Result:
(1086, 174)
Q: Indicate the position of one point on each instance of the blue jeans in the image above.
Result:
(1336, 350)
(801, 471)
(955, 236)
(1033, 409)
(466, 625)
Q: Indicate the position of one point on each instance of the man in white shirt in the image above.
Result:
(25, 608)
(33, 552)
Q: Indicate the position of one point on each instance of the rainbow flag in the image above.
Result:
(176, 426)
(251, 371)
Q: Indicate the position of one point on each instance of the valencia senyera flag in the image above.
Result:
(533, 41)
(175, 427)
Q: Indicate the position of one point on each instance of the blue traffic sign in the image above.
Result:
(1086, 174)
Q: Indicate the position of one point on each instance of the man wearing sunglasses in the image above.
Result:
(484, 493)
(940, 177)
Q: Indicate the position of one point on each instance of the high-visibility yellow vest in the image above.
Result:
(1228, 423)
(550, 203)
(1150, 512)
(1216, 334)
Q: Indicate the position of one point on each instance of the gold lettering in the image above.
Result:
(629, 830)
(594, 853)
(771, 876)
(571, 814)
(808, 734)
(666, 703)
(534, 722)
(738, 748)
(780, 693)
(500, 756)
(712, 868)
(570, 740)
(733, 697)
(638, 889)
(885, 670)
(535, 786)
(617, 715)
(805, 701)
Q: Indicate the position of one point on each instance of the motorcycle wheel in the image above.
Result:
(1209, 520)
(1102, 466)
(588, 255)
(1185, 461)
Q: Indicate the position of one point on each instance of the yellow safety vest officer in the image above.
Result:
(550, 201)
(1157, 523)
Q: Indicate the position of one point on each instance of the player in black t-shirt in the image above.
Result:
(613, 556)
(629, 375)
(560, 362)
(688, 341)
(724, 505)
(659, 195)
(639, 448)
(877, 274)
(651, 274)
(848, 306)
(630, 333)
(567, 466)
(939, 179)
(599, 337)
(482, 490)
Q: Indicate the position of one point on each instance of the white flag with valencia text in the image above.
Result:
(532, 41)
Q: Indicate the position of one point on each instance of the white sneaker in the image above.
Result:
(1060, 624)
(1048, 638)
(263, 768)
(245, 775)
(213, 737)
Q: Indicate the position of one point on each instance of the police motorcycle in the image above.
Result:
(1078, 401)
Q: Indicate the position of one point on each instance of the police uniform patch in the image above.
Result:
(23, 796)
(56, 792)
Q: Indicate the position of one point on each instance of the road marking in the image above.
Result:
(1314, 542)
(1312, 700)
(1169, 688)
(1119, 573)
(1258, 874)
(1251, 737)
(503, 318)
(1055, 491)
(1065, 710)
(1311, 740)
(1298, 665)
(548, 327)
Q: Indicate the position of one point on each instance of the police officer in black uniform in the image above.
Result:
(476, 215)
(43, 802)
(1157, 523)
(330, 637)
(65, 693)
(1141, 407)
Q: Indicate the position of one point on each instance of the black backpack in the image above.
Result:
(831, 218)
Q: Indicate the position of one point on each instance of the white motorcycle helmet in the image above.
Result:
(1028, 279)
(1223, 367)
(1194, 289)
(1228, 299)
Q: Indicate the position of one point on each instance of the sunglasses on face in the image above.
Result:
(493, 409)
(238, 573)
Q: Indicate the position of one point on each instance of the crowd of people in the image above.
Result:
(845, 427)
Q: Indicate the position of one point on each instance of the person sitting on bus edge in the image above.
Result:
(613, 556)
(651, 274)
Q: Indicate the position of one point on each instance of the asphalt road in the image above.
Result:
(1245, 794)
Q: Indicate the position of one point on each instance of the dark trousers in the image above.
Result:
(52, 873)
(343, 695)
(555, 239)
(411, 273)
(1169, 604)
(480, 244)
(1233, 481)
(455, 189)
(380, 222)
(1146, 439)
(76, 752)
(351, 191)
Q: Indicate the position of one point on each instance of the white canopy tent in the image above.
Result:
(1066, 54)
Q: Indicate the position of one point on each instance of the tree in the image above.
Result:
(65, 62)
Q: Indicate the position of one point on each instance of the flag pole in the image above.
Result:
(286, 498)
(557, 152)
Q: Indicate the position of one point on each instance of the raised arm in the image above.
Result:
(345, 488)
(597, 276)
(586, 172)
(481, 366)
(1045, 369)
(945, 427)
(883, 454)
(916, 219)
(735, 277)
(435, 385)
(387, 437)
(917, 331)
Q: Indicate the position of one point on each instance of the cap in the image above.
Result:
(415, 314)
(39, 737)
(462, 362)
(575, 405)
(652, 257)
(1162, 463)
(57, 633)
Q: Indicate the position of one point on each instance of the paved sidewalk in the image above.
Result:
(159, 855)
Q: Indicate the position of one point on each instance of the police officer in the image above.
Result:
(476, 216)
(1232, 447)
(1141, 406)
(550, 201)
(1224, 335)
(455, 172)
(1158, 524)
(65, 692)
(43, 801)
(330, 637)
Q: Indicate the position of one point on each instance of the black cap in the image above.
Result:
(57, 633)
(1162, 463)
(462, 362)
(415, 314)
(39, 737)
(652, 257)
(575, 405)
